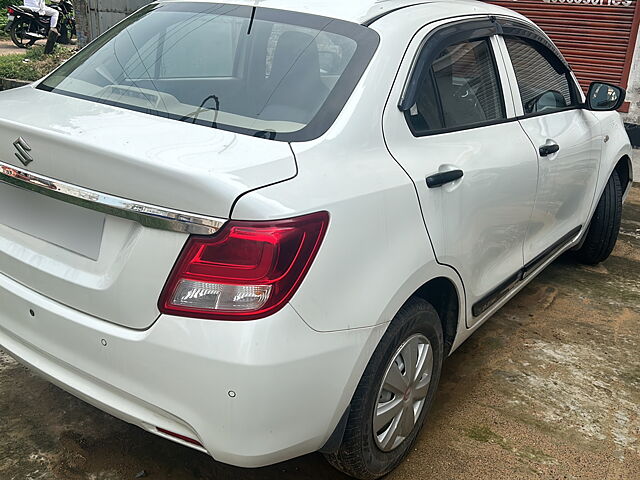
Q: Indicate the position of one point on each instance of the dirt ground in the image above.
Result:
(547, 389)
(7, 47)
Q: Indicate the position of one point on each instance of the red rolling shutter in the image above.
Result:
(597, 37)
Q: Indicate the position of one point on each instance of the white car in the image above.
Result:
(258, 228)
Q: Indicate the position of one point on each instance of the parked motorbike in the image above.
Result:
(26, 26)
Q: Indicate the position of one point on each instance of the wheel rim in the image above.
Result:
(403, 393)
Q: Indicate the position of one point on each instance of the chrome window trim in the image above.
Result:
(151, 216)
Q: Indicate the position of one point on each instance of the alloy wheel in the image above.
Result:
(403, 393)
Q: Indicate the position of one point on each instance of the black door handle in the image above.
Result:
(440, 179)
(547, 150)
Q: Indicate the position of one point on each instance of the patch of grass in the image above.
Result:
(536, 455)
(33, 64)
(13, 66)
(3, 22)
(631, 376)
(3, 18)
(483, 434)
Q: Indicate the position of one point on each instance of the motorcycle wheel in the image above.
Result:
(18, 33)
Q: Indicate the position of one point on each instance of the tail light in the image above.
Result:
(11, 11)
(248, 270)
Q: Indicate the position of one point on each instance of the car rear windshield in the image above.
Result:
(268, 73)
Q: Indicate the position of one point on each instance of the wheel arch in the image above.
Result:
(446, 296)
(442, 293)
(624, 169)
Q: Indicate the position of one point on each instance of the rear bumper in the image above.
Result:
(291, 383)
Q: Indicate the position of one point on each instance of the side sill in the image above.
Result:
(516, 279)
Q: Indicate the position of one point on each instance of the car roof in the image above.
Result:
(359, 11)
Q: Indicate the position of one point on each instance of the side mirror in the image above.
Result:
(603, 97)
(549, 100)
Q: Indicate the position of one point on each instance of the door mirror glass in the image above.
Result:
(603, 97)
(547, 102)
(544, 86)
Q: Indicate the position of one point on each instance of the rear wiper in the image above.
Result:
(253, 17)
(194, 116)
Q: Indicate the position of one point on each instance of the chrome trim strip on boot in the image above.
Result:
(151, 216)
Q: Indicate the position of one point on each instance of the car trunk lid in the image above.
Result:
(100, 262)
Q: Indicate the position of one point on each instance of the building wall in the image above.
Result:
(94, 17)
(633, 90)
(82, 22)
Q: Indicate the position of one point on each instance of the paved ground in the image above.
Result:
(7, 47)
(547, 389)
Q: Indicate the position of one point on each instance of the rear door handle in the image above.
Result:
(550, 149)
(440, 179)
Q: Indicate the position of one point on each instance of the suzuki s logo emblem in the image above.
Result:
(23, 149)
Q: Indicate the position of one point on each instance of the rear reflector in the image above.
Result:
(180, 437)
(248, 270)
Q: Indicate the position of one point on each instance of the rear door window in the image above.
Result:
(461, 90)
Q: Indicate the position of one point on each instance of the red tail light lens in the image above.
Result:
(248, 270)
(11, 11)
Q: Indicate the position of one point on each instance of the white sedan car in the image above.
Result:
(258, 228)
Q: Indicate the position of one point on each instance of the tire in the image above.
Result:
(21, 25)
(51, 42)
(360, 454)
(66, 33)
(605, 225)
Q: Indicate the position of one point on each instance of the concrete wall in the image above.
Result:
(633, 90)
(93, 17)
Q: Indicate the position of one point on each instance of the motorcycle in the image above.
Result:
(27, 26)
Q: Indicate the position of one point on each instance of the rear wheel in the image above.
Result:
(19, 31)
(394, 395)
(605, 225)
